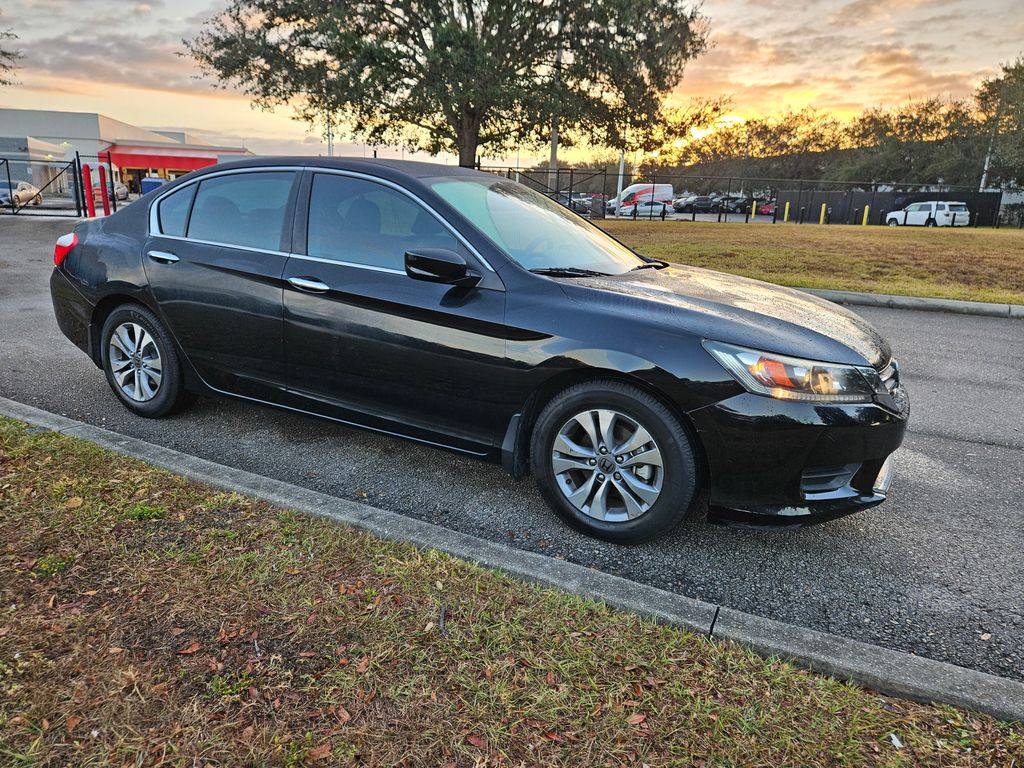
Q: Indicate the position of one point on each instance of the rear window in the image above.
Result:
(245, 209)
(958, 207)
(172, 211)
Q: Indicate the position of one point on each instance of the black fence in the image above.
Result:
(57, 187)
(593, 193)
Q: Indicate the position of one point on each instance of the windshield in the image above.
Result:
(532, 229)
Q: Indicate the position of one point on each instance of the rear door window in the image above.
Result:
(244, 209)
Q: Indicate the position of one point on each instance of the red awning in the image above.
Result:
(168, 162)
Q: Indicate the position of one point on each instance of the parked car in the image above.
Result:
(734, 204)
(697, 204)
(645, 210)
(766, 208)
(930, 214)
(114, 189)
(23, 194)
(575, 203)
(463, 310)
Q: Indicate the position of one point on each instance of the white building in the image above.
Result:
(28, 135)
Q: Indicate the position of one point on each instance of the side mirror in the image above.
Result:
(440, 265)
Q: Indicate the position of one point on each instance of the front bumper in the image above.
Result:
(788, 463)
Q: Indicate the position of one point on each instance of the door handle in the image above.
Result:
(164, 257)
(308, 284)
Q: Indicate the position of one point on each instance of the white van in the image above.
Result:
(641, 193)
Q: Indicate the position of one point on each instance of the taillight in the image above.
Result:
(63, 247)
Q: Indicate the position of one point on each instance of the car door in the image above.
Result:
(214, 259)
(917, 214)
(361, 335)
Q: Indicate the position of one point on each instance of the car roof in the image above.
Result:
(389, 169)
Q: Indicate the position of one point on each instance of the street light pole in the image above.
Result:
(553, 159)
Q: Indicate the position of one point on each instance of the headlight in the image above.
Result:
(790, 378)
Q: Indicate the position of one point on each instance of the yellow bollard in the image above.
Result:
(821, 219)
(867, 209)
(785, 214)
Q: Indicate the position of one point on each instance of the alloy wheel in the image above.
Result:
(134, 360)
(607, 465)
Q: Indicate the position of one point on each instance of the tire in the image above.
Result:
(152, 377)
(606, 505)
(930, 223)
(892, 223)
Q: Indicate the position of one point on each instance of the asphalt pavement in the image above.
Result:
(935, 571)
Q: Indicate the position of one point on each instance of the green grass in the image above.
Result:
(223, 631)
(971, 264)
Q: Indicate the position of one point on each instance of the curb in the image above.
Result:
(891, 301)
(890, 672)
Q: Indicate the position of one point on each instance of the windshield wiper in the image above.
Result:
(568, 272)
(651, 265)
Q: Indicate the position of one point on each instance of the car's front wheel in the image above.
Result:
(141, 362)
(893, 223)
(614, 462)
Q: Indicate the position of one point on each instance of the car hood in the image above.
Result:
(741, 311)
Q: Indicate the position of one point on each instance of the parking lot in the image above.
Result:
(936, 571)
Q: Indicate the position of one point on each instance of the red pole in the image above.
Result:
(104, 192)
(90, 203)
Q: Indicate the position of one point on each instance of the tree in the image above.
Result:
(8, 58)
(460, 75)
(1000, 100)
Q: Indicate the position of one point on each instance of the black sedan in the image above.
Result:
(461, 309)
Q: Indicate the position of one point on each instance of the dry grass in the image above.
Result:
(972, 264)
(147, 620)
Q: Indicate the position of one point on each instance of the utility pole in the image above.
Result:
(622, 170)
(330, 137)
(991, 146)
(553, 160)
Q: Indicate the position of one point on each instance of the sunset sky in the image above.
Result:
(120, 57)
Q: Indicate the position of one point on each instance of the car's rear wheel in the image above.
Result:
(141, 362)
(614, 462)
(930, 223)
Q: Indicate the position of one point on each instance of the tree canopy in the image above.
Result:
(461, 75)
(931, 141)
(8, 58)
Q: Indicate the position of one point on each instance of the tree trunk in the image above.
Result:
(467, 136)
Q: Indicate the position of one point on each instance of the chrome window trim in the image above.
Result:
(223, 245)
(415, 198)
(354, 264)
(154, 222)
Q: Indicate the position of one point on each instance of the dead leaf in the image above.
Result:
(114, 650)
(343, 714)
(636, 719)
(175, 631)
(322, 752)
(188, 650)
(476, 740)
(74, 502)
(363, 665)
(551, 679)
(72, 722)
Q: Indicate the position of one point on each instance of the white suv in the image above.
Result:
(930, 214)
